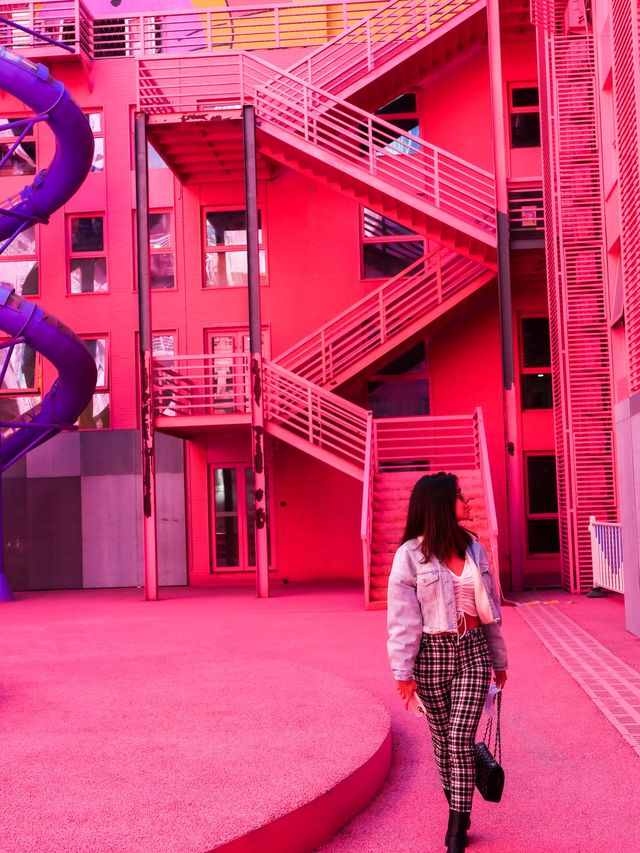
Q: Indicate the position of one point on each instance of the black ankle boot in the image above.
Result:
(447, 794)
(456, 838)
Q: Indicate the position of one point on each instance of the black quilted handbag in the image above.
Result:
(489, 773)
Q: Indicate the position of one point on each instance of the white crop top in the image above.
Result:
(464, 590)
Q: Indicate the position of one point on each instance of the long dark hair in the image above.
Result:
(432, 515)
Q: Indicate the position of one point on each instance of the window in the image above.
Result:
(96, 125)
(20, 390)
(402, 113)
(163, 346)
(524, 108)
(535, 358)
(19, 263)
(401, 389)
(161, 258)
(542, 504)
(97, 414)
(88, 260)
(22, 160)
(226, 249)
(387, 247)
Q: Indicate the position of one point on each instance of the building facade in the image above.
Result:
(446, 266)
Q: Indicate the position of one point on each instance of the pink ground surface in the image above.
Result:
(112, 711)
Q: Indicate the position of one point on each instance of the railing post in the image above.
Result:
(305, 111)
(276, 26)
(372, 156)
(436, 177)
(323, 356)
(310, 410)
(369, 49)
(209, 24)
(382, 318)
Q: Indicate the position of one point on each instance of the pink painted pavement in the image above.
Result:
(128, 726)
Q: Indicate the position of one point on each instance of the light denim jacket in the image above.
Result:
(421, 599)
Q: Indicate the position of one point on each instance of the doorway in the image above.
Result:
(232, 518)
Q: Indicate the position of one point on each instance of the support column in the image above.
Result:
(500, 153)
(150, 545)
(255, 347)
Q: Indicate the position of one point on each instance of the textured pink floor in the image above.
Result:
(81, 673)
(168, 727)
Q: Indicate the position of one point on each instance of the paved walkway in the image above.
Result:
(572, 772)
(570, 717)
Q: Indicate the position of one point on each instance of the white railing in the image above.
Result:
(264, 27)
(606, 553)
(66, 21)
(201, 385)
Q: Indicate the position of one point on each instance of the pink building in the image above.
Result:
(407, 153)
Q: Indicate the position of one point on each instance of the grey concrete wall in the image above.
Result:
(73, 513)
(627, 415)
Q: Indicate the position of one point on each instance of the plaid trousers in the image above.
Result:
(453, 676)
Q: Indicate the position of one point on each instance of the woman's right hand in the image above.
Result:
(406, 689)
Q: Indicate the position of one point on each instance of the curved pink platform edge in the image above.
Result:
(315, 823)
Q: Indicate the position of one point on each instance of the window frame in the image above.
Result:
(533, 371)
(161, 251)
(93, 254)
(103, 388)
(6, 259)
(32, 391)
(99, 134)
(235, 249)
(413, 237)
(513, 111)
(537, 516)
(30, 137)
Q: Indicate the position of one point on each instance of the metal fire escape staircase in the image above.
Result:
(392, 48)
(444, 198)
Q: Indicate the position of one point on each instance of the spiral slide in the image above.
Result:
(24, 321)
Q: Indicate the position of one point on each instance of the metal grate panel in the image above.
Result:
(576, 263)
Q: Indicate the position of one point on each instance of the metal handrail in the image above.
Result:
(65, 21)
(381, 316)
(291, 108)
(369, 43)
(315, 416)
(212, 385)
(426, 443)
(268, 26)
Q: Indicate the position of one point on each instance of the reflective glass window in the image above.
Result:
(226, 249)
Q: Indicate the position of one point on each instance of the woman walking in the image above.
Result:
(444, 634)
